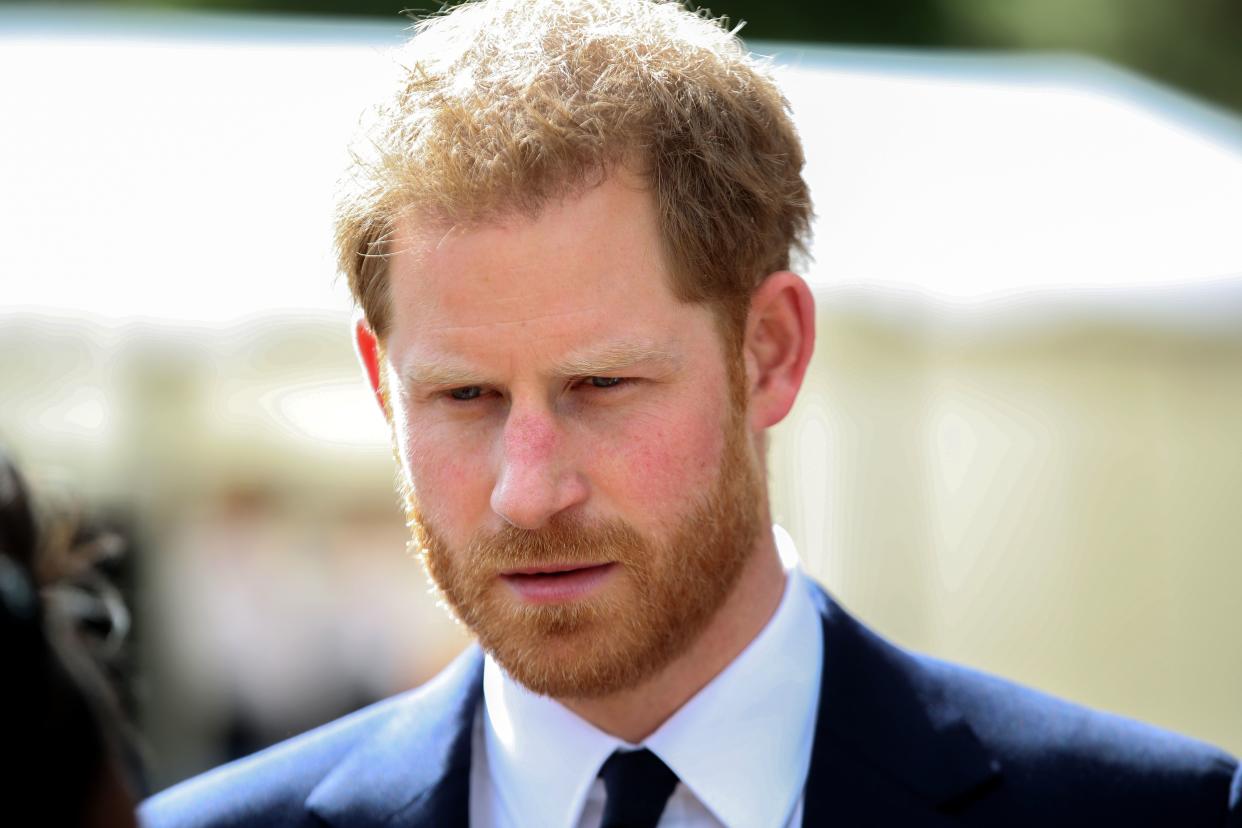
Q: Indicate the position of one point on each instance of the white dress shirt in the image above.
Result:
(740, 747)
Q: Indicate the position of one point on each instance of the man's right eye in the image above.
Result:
(470, 392)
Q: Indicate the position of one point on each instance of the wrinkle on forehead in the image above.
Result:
(578, 290)
(504, 323)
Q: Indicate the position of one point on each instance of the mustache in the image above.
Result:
(561, 542)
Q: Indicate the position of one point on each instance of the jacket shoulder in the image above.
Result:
(927, 732)
(1053, 752)
(271, 786)
(278, 786)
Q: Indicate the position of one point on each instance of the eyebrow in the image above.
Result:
(439, 374)
(610, 359)
(616, 357)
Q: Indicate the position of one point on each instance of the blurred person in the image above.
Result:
(570, 236)
(63, 741)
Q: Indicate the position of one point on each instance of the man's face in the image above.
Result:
(577, 466)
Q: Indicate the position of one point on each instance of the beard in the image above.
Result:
(661, 595)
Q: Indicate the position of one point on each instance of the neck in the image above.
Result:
(636, 713)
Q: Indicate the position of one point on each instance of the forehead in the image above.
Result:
(584, 271)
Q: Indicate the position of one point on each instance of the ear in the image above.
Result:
(780, 338)
(369, 354)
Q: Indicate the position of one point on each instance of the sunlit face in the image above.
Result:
(578, 470)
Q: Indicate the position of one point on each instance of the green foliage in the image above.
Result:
(1192, 44)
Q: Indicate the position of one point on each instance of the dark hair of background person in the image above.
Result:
(63, 730)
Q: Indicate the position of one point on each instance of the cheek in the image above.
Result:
(660, 461)
(449, 480)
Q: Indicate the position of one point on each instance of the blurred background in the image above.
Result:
(1019, 447)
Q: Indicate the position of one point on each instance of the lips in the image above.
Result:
(557, 583)
(553, 569)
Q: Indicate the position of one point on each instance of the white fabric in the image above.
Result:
(741, 746)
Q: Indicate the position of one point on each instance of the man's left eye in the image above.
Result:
(605, 382)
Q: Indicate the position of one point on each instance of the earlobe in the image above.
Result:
(780, 338)
(369, 354)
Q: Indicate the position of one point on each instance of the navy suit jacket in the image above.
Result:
(901, 740)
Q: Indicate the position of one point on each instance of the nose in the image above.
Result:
(538, 477)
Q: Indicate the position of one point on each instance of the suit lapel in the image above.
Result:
(889, 747)
(416, 770)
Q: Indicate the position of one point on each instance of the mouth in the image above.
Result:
(552, 569)
(557, 583)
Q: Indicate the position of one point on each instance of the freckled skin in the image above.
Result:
(512, 299)
(521, 444)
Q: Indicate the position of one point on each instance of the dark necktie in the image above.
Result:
(637, 787)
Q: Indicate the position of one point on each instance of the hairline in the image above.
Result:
(727, 310)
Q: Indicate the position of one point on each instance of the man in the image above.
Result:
(569, 239)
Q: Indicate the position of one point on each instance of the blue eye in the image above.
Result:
(605, 382)
(470, 392)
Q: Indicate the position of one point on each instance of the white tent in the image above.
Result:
(181, 167)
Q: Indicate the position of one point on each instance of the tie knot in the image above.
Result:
(637, 787)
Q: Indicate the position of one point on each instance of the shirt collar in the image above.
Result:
(742, 744)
